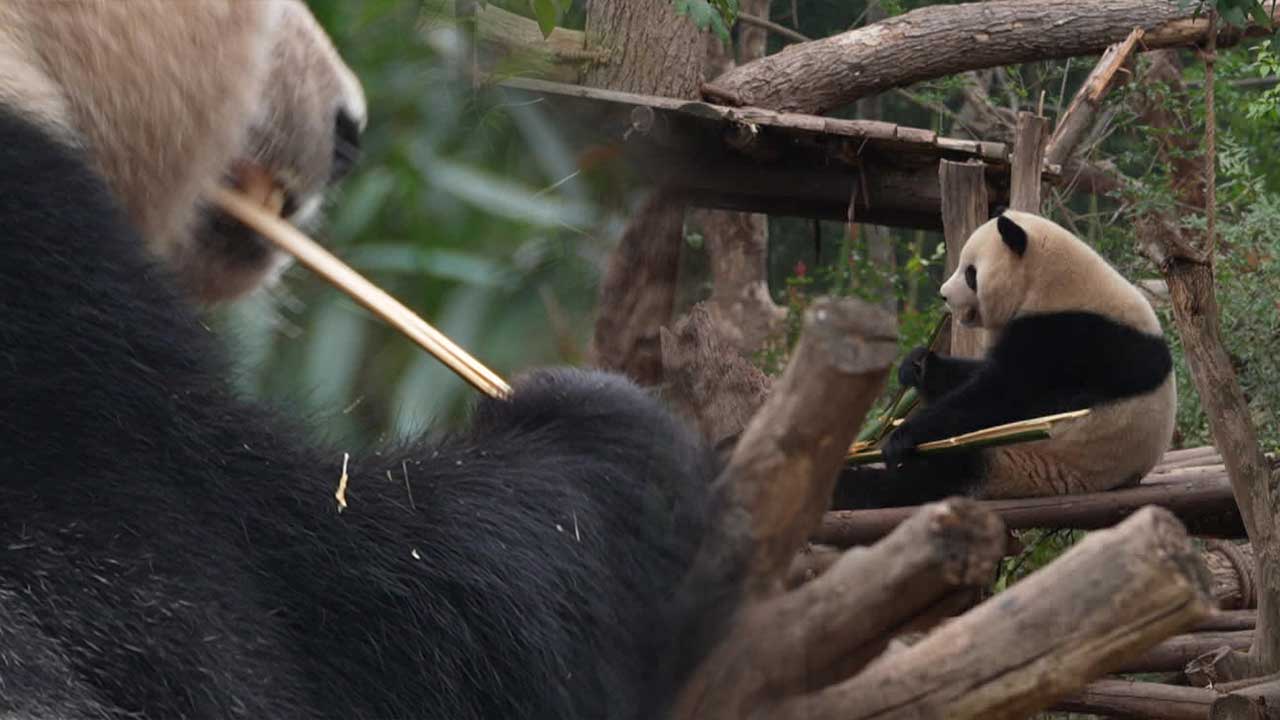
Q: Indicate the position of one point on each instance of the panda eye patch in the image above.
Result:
(971, 277)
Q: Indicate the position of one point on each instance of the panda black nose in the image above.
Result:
(346, 145)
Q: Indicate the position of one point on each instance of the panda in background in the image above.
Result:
(171, 550)
(1069, 332)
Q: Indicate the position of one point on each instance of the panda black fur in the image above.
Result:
(171, 550)
(1069, 333)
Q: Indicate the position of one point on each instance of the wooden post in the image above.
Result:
(1028, 162)
(964, 208)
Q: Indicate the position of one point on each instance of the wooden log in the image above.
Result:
(1256, 702)
(964, 208)
(1112, 596)
(780, 478)
(1201, 498)
(1028, 159)
(940, 40)
(1176, 652)
(1079, 116)
(1229, 620)
(1139, 700)
(1234, 575)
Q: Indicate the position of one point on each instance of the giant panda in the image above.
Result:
(173, 550)
(1069, 332)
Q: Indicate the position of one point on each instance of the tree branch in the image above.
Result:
(935, 41)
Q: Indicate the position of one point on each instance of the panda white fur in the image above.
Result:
(1069, 333)
(171, 550)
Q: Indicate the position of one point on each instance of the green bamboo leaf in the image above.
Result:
(548, 14)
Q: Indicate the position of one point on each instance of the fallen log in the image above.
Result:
(1140, 700)
(1112, 596)
(1200, 497)
(1256, 702)
(1176, 652)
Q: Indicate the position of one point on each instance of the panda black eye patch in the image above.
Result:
(971, 277)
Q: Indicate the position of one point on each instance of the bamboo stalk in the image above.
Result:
(1007, 434)
(903, 402)
(328, 266)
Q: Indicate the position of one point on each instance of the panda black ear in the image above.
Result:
(1012, 234)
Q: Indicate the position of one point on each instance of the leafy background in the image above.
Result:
(475, 211)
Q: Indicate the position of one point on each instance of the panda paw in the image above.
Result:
(899, 446)
(911, 371)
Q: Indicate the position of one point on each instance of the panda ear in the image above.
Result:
(1012, 234)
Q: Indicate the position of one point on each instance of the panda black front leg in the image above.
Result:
(935, 375)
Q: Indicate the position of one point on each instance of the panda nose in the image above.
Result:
(346, 145)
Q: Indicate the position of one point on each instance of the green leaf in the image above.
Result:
(548, 14)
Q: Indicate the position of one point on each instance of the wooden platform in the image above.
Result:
(1192, 484)
(762, 161)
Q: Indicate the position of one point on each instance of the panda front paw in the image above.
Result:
(899, 446)
(911, 371)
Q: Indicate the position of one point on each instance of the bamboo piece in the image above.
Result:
(1015, 432)
(311, 254)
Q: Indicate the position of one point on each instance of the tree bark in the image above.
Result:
(935, 41)
(1256, 702)
(650, 48)
(1115, 594)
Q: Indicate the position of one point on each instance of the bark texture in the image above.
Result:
(650, 49)
(821, 75)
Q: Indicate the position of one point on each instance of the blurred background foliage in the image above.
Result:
(475, 212)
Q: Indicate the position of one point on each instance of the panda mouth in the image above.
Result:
(259, 185)
(970, 317)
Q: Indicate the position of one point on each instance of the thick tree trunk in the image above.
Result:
(738, 242)
(651, 49)
(648, 49)
(939, 40)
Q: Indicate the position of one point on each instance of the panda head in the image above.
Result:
(993, 277)
(303, 136)
(169, 99)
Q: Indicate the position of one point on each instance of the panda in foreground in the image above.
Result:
(171, 550)
(1068, 332)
